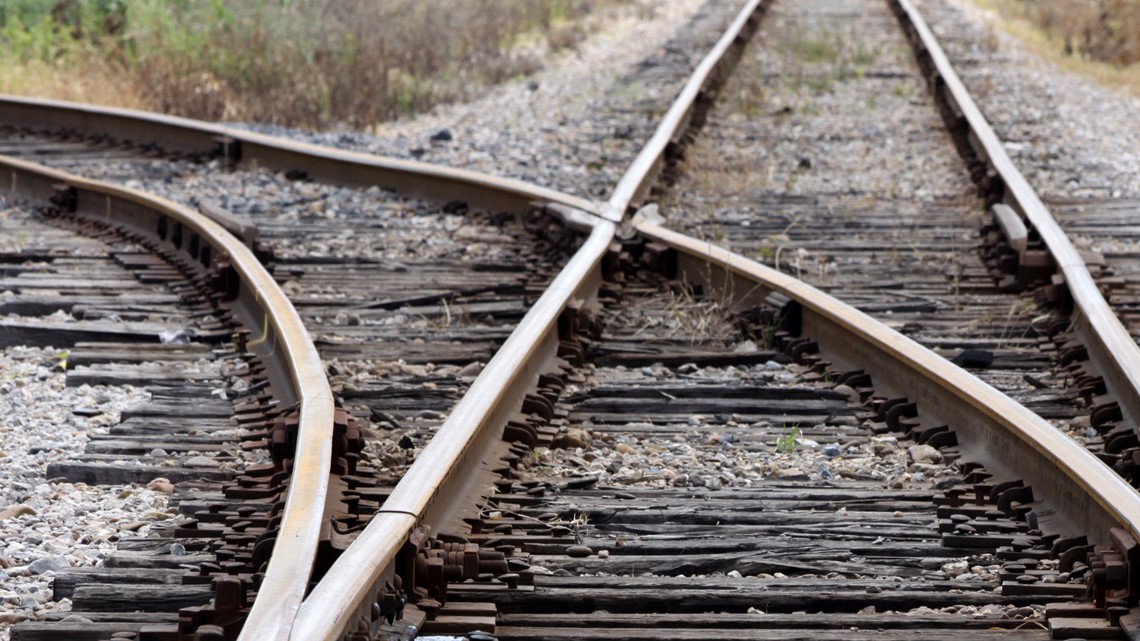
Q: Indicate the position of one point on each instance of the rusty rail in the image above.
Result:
(279, 338)
(439, 481)
(1113, 352)
(1000, 432)
(353, 592)
(699, 92)
(235, 147)
(915, 367)
(295, 547)
(1010, 440)
(358, 589)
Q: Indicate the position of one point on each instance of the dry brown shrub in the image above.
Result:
(94, 82)
(1104, 30)
(352, 62)
(308, 63)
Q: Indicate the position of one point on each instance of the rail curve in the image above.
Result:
(235, 147)
(280, 339)
(1000, 432)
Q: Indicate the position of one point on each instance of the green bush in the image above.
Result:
(313, 63)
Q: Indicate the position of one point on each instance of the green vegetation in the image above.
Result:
(311, 63)
(823, 47)
(786, 443)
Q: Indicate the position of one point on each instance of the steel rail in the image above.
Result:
(279, 339)
(701, 86)
(278, 598)
(273, 613)
(1111, 348)
(434, 486)
(437, 484)
(246, 148)
(993, 429)
(1114, 501)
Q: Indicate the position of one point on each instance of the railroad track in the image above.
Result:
(220, 279)
(575, 418)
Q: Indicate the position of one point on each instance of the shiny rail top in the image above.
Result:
(346, 594)
(993, 424)
(994, 429)
(247, 148)
(1111, 348)
(279, 338)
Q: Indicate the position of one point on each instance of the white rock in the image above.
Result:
(49, 563)
(924, 454)
(200, 461)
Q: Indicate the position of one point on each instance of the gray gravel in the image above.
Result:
(1070, 136)
(572, 102)
(704, 456)
(575, 125)
(820, 106)
(47, 526)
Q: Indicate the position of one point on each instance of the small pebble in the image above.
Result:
(16, 511)
(161, 485)
(578, 551)
(572, 439)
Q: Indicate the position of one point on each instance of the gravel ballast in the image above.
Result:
(575, 125)
(46, 525)
(1070, 136)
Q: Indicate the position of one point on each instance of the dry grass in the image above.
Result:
(715, 169)
(98, 84)
(813, 59)
(1105, 30)
(681, 314)
(1099, 39)
(700, 320)
(309, 63)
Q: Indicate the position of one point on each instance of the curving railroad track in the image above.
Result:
(597, 343)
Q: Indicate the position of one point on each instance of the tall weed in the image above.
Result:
(309, 63)
(1104, 30)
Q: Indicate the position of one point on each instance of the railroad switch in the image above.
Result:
(1016, 256)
